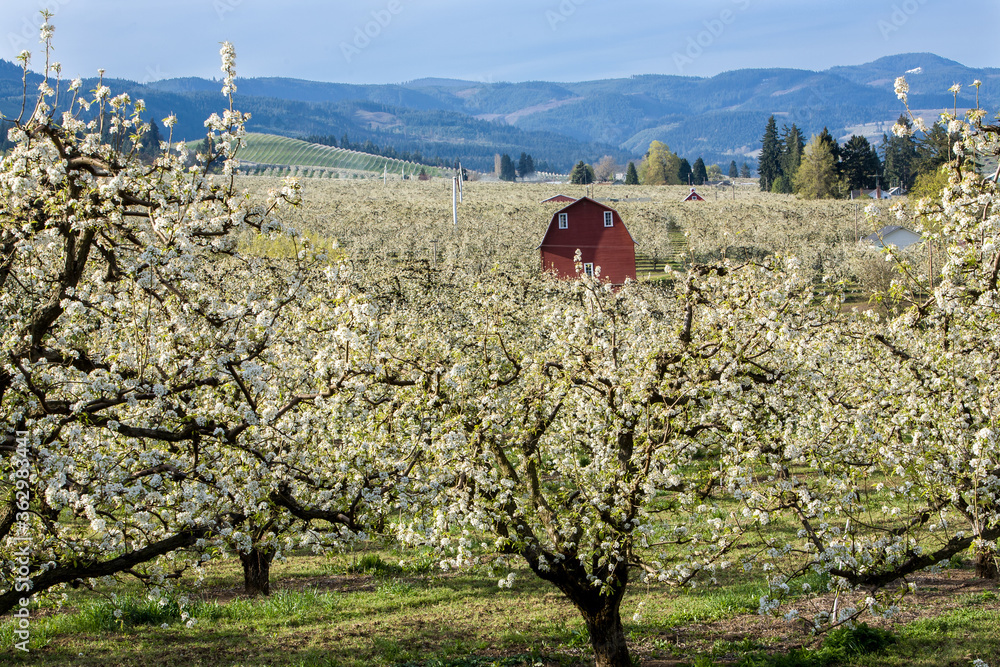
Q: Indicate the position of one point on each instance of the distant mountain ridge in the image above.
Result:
(720, 118)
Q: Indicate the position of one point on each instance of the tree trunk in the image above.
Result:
(601, 613)
(257, 571)
(607, 635)
(986, 565)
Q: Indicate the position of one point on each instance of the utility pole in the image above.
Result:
(454, 200)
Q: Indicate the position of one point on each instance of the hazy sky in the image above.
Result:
(387, 41)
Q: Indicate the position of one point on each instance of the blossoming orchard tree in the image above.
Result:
(893, 453)
(147, 364)
(555, 422)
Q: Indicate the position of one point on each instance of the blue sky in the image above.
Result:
(388, 41)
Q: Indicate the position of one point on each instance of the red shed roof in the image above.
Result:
(559, 198)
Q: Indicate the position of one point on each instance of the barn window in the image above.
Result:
(564, 221)
(609, 219)
(589, 269)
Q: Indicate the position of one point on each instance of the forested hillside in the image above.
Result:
(718, 118)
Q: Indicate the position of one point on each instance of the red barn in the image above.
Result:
(559, 199)
(598, 232)
(694, 196)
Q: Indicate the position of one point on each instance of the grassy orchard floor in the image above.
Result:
(364, 609)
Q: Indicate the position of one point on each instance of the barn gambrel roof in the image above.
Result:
(565, 209)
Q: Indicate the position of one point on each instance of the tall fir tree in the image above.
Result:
(631, 175)
(582, 174)
(150, 142)
(525, 165)
(698, 172)
(793, 145)
(934, 149)
(859, 164)
(769, 164)
(5, 143)
(684, 172)
(734, 171)
(834, 147)
(745, 171)
(507, 171)
(899, 157)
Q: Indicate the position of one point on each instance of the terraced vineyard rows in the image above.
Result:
(274, 151)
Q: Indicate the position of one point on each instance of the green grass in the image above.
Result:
(388, 607)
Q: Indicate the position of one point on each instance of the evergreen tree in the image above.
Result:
(582, 174)
(833, 146)
(5, 143)
(733, 171)
(684, 172)
(817, 175)
(769, 164)
(859, 164)
(525, 165)
(745, 171)
(507, 171)
(698, 172)
(933, 149)
(899, 157)
(150, 142)
(793, 145)
(631, 175)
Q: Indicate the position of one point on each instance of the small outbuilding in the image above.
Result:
(598, 232)
(893, 235)
(559, 199)
(877, 193)
(694, 196)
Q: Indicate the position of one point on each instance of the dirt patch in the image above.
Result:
(935, 594)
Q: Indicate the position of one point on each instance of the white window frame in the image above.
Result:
(609, 219)
(588, 269)
(564, 221)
